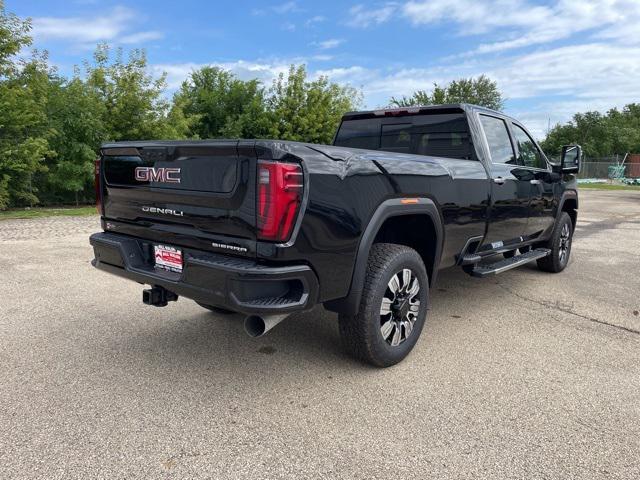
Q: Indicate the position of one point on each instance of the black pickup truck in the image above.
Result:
(266, 228)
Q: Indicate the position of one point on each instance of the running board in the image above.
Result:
(509, 263)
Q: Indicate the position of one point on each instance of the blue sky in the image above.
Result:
(550, 58)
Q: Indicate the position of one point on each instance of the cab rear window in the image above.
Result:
(432, 134)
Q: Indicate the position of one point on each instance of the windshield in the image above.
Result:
(434, 134)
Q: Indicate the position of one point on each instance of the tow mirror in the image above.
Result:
(571, 158)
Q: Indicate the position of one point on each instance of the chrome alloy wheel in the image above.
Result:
(565, 243)
(400, 307)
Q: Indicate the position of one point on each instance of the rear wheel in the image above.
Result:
(560, 246)
(393, 307)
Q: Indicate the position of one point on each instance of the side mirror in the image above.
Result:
(571, 158)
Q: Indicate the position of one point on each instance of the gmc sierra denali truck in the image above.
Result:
(267, 228)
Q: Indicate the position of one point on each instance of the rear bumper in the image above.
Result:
(236, 284)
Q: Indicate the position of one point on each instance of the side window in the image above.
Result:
(498, 138)
(530, 156)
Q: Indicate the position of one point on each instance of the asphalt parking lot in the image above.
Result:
(527, 375)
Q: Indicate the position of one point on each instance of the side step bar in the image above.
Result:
(509, 263)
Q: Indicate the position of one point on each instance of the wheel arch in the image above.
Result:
(569, 204)
(388, 215)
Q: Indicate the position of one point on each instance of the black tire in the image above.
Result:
(370, 335)
(559, 244)
(218, 310)
(509, 254)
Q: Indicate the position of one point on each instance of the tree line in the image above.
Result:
(51, 126)
(616, 132)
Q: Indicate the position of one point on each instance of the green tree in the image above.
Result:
(307, 110)
(615, 133)
(77, 118)
(218, 104)
(478, 91)
(23, 126)
(135, 107)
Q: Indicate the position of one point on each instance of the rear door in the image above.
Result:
(202, 190)
(510, 189)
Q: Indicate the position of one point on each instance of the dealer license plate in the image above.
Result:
(168, 258)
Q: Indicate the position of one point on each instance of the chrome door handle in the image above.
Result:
(499, 180)
(535, 182)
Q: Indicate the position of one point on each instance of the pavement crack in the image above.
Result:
(556, 306)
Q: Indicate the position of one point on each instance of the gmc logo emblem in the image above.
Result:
(159, 175)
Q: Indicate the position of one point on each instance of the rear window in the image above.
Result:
(435, 134)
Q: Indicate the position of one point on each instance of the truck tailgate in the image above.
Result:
(195, 189)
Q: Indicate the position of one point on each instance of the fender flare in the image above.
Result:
(566, 195)
(350, 304)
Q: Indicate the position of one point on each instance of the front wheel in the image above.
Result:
(560, 246)
(393, 308)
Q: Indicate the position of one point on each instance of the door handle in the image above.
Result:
(499, 180)
(535, 182)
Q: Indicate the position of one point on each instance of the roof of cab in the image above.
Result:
(415, 110)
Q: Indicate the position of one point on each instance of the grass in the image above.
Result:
(48, 212)
(607, 186)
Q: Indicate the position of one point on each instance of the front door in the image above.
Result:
(510, 186)
(541, 208)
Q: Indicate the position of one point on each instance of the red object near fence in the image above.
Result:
(633, 166)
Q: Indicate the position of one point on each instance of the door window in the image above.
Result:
(529, 155)
(500, 146)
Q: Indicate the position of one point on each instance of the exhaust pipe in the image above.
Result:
(256, 325)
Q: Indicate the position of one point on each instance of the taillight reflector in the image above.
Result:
(280, 188)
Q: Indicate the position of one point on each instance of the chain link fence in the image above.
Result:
(609, 168)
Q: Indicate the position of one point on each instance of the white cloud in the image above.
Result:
(280, 9)
(141, 37)
(519, 23)
(119, 26)
(355, 76)
(265, 71)
(328, 44)
(315, 20)
(363, 16)
(285, 7)
(288, 26)
(475, 16)
(589, 71)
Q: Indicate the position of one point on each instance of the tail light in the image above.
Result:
(96, 164)
(280, 188)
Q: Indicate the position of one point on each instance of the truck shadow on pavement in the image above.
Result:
(204, 341)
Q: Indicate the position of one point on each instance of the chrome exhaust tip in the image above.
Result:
(256, 325)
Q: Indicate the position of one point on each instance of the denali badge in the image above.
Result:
(163, 211)
(160, 175)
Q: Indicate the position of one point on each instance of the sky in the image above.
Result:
(551, 59)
